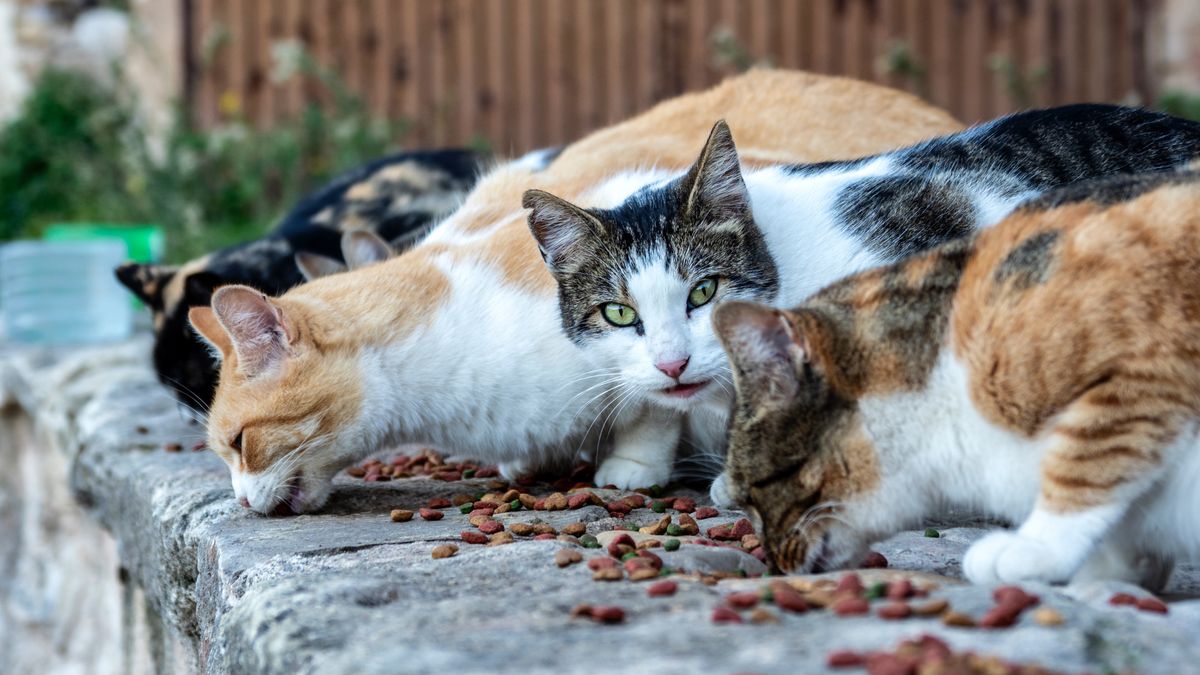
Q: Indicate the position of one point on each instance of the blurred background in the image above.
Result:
(210, 118)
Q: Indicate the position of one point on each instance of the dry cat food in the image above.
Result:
(401, 515)
(172, 447)
(722, 614)
(444, 551)
(662, 589)
(575, 529)
(599, 613)
(1146, 604)
(567, 556)
(927, 654)
(491, 526)
(473, 537)
(743, 600)
(430, 514)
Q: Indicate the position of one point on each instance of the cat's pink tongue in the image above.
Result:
(685, 390)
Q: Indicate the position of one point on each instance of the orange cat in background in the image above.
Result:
(457, 343)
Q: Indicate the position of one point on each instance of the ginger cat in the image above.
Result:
(457, 342)
(1045, 371)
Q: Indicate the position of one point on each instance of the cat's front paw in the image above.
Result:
(515, 469)
(627, 474)
(1008, 557)
(719, 492)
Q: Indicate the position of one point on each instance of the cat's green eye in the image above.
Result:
(618, 314)
(702, 292)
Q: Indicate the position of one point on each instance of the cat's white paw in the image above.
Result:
(515, 469)
(1008, 557)
(719, 492)
(628, 474)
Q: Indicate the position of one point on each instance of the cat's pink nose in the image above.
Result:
(244, 502)
(673, 368)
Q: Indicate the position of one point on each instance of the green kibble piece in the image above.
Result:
(877, 590)
(629, 556)
(932, 533)
(655, 490)
(766, 595)
(666, 572)
(671, 544)
(632, 527)
(466, 508)
(658, 506)
(589, 541)
(515, 505)
(469, 473)
(674, 530)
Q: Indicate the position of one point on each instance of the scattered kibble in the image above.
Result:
(473, 537)
(662, 589)
(851, 606)
(724, 614)
(743, 600)
(439, 503)
(521, 529)
(845, 659)
(401, 515)
(657, 528)
(567, 556)
(500, 539)
(850, 584)
(1048, 616)
(958, 620)
(608, 574)
(658, 506)
(894, 610)
(877, 590)
(705, 512)
(172, 447)
(932, 533)
(444, 551)
(465, 508)
(875, 560)
(430, 514)
(927, 654)
(671, 545)
(589, 541)
(575, 529)
(931, 607)
(491, 526)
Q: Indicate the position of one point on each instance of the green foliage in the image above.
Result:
(1180, 104)
(1020, 85)
(79, 152)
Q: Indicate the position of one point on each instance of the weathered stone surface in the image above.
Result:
(349, 591)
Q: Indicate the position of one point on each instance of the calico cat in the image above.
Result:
(456, 342)
(1045, 371)
(398, 197)
(637, 282)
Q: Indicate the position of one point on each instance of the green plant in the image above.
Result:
(78, 151)
(1180, 103)
(1020, 85)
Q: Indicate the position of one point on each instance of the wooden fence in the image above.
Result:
(522, 74)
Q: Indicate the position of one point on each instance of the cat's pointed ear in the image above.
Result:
(562, 229)
(715, 189)
(146, 281)
(765, 350)
(258, 332)
(363, 247)
(314, 265)
(205, 323)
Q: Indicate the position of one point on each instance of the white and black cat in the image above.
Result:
(637, 281)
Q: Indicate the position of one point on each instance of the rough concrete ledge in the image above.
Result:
(166, 572)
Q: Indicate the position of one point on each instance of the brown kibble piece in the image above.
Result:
(662, 588)
(356, 472)
(578, 501)
(444, 551)
(608, 614)
(958, 620)
(1014, 596)
(642, 574)
(438, 503)
(608, 574)
(657, 528)
(1047, 616)
(723, 614)
(521, 529)
(567, 556)
(510, 495)
(688, 524)
(500, 539)
(595, 564)
(477, 519)
(931, 607)
(172, 447)
(401, 515)
(635, 501)
(684, 504)
(762, 615)
(582, 610)
(741, 528)
(874, 560)
(649, 543)
(544, 528)
(575, 529)
(750, 542)
(527, 500)
(556, 502)
(459, 500)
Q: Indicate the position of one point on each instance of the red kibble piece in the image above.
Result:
(482, 504)
(539, 505)
(1014, 595)
(850, 583)
(1152, 605)
(760, 553)
(487, 472)
(706, 512)
(615, 548)
(608, 614)
(652, 557)
(448, 476)
(579, 500)
(439, 503)
(1122, 599)
(356, 472)
(851, 606)
(473, 537)
(744, 600)
(900, 590)
(634, 564)
(635, 501)
(620, 508)
(786, 597)
(874, 561)
(882, 663)
(721, 532)
(741, 528)
(491, 526)
(481, 512)
(684, 504)
(430, 514)
(661, 588)
(597, 564)
(544, 536)
(895, 610)
(845, 659)
(372, 476)
(724, 614)
(1001, 616)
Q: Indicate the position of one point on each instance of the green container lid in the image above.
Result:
(143, 243)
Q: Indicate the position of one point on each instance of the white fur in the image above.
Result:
(935, 449)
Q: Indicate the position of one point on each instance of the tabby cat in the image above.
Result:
(1045, 371)
(637, 282)
(399, 197)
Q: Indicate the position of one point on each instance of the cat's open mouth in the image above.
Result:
(685, 390)
(290, 504)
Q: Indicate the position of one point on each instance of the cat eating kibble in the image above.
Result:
(637, 282)
(1044, 371)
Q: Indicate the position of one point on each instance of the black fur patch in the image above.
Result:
(896, 216)
(1109, 191)
(1028, 264)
